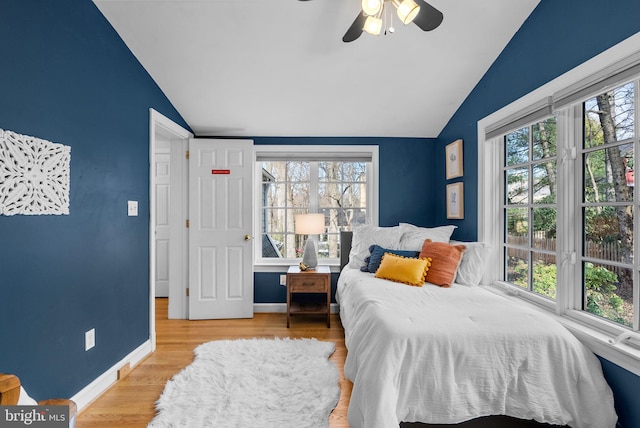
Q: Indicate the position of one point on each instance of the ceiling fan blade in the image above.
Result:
(429, 18)
(356, 28)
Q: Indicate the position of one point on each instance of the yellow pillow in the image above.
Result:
(403, 269)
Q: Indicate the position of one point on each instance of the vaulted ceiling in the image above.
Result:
(280, 68)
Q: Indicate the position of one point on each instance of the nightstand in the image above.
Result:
(316, 281)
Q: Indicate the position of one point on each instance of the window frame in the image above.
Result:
(608, 339)
(319, 153)
(530, 205)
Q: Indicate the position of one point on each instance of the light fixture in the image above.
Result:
(372, 7)
(370, 18)
(373, 25)
(407, 10)
(309, 224)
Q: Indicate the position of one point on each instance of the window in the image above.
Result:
(607, 149)
(529, 212)
(337, 181)
(563, 159)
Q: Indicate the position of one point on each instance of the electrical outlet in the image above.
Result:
(90, 339)
(283, 280)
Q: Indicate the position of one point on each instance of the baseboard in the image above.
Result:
(100, 384)
(282, 308)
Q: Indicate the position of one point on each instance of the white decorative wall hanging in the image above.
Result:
(34, 175)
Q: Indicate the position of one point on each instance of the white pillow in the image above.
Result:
(24, 399)
(365, 236)
(473, 264)
(413, 236)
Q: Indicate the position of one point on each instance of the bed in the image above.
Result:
(439, 355)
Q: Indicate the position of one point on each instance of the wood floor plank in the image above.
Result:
(130, 402)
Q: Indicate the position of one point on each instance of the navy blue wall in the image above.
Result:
(404, 191)
(558, 36)
(67, 77)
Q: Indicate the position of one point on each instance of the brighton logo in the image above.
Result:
(34, 416)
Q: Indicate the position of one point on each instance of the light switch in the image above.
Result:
(132, 208)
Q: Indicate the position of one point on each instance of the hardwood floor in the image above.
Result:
(130, 401)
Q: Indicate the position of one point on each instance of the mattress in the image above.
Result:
(447, 355)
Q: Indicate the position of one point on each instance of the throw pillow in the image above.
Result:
(372, 263)
(445, 259)
(402, 269)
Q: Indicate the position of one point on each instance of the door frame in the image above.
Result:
(157, 123)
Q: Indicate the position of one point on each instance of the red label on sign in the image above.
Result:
(220, 171)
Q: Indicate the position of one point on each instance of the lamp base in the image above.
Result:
(310, 254)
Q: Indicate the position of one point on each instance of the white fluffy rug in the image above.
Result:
(252, 383)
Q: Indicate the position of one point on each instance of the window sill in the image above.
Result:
(600, 343)
(283, 266)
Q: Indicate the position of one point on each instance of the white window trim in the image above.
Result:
(336, 151)
(611, 342)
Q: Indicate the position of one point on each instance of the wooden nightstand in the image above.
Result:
(316, 281)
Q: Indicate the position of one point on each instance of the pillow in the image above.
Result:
(402, 269)
(412, 237)
(24, 399)
(474, 262)
(445, 259)
(365, 236)
(372, 263)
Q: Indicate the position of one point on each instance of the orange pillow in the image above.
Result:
(403, 269)
(445, 259)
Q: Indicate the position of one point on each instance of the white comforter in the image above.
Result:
(446, 355)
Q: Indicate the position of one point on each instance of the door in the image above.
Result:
(162, 168)
(220, 223)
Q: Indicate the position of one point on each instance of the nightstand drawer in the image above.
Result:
(316, 282)
(300, 284)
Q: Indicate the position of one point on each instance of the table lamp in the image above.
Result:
(309, 224)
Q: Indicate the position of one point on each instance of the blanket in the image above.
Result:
(447, 355)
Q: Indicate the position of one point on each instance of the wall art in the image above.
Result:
(455, 200)
(454, 159)
(34, 175)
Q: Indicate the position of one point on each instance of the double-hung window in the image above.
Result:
(566, 235)
(530, 207)
(337, 181)
(608, 203)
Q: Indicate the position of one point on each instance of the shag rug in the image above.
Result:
(252, 383)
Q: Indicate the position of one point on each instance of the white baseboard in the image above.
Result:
(100, 384)
(282, 308)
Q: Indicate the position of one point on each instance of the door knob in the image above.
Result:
(248, 237)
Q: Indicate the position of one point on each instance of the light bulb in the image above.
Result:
(371, 7)
(373, 25)
(407, 10)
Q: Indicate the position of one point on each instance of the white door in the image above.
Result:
(220, 223)
(162, 166)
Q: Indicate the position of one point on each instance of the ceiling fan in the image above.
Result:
(369, 19)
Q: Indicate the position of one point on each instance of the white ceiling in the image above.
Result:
(280, 68)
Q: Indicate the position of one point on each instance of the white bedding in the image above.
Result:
(446, 355)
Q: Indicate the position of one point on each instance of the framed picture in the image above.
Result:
(455, 200)
(454, 159)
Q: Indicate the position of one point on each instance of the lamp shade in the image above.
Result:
(372, 7)
(407, 10)
(373, 25)
(309, 224)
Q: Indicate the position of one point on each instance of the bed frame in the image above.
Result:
(497, 421)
